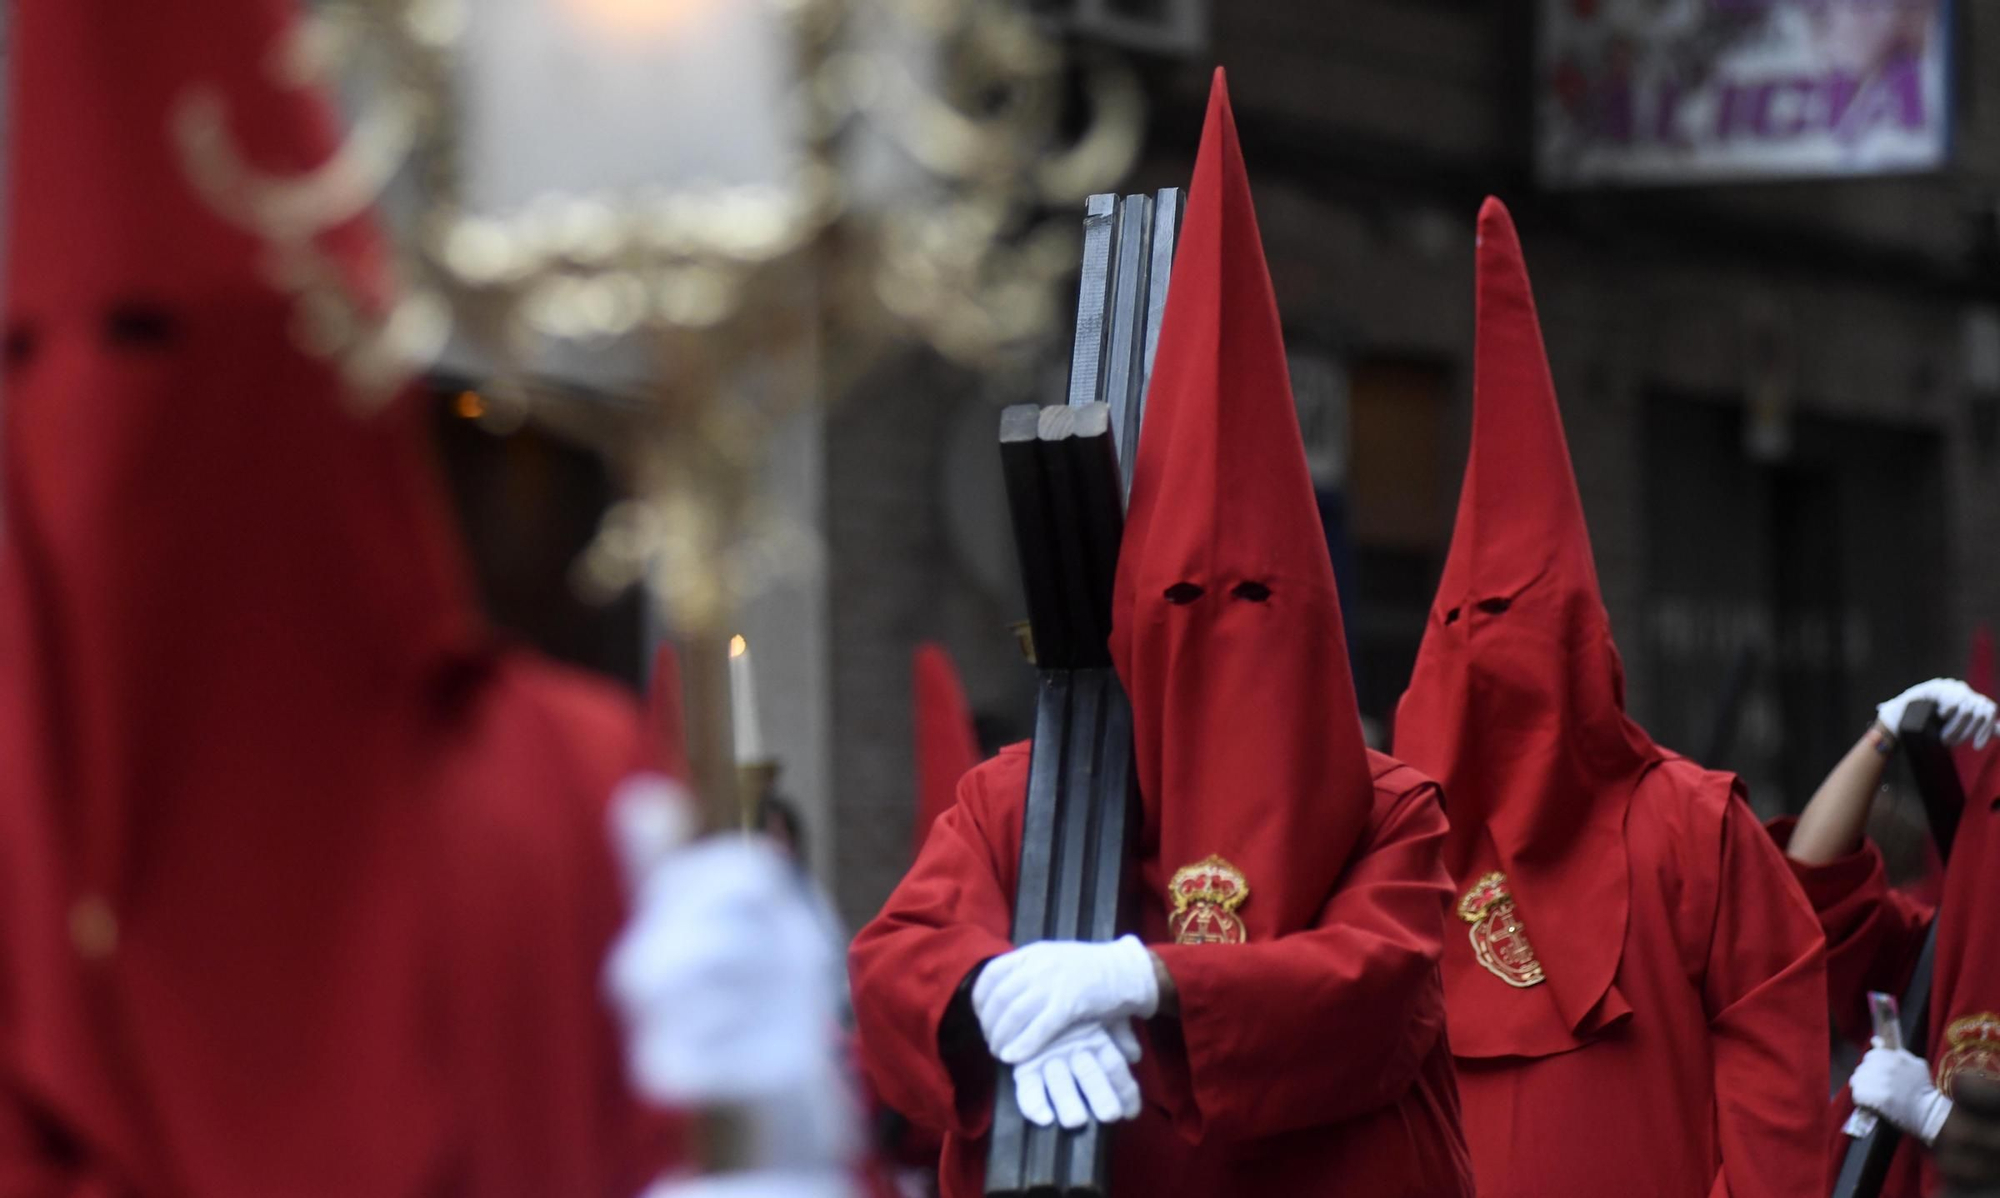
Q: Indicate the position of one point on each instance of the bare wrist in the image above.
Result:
(1170, 995)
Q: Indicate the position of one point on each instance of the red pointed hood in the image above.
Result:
(666, 718)
(1517, 702)
(1226, 625)
(1979, 667)
(1979, 675)
(947, 748)
(232, 627)
(1964, 1027)
(1971, 763)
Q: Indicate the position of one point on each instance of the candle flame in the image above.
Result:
(738, 646)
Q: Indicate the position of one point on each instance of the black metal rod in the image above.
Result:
(1100, 515)
(1034, 531)
(1125, 348)
(1007, 1163)
(1935, 772)
(1093, 298)
(1066, 481)
(1067, 475)
(1865, 1166)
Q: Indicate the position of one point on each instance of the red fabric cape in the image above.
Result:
(303, 882)
(1517, 702)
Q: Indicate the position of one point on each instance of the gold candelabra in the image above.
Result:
(741, 303)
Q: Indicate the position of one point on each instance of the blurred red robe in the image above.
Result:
(304, 879)
(1308, 1055)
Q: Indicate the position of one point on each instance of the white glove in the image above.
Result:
(1967, 714)
(1026, 998)
(833, 1183)
(1087, 1072)
(651, 816)
(1897, 1086)
(726, 983)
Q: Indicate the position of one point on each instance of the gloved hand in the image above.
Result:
(651, 817)
(1897, 1086)
(728, 989)
(1967, 714)
(1027, 998)
(1086, 1072)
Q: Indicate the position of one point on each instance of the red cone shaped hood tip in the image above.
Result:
(1979, 675)
(1966, 989)
(230, 612)
(1979, 667)
(947, 747)
(1226, 624)
(1517, 702)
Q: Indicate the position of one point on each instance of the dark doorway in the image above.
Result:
(1785, 598)
(528, 504)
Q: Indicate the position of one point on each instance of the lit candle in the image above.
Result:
(743, 704)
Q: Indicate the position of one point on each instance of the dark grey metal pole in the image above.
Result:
(1068, 471)
(1865, 1167)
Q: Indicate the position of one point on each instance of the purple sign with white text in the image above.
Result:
(1692, 91)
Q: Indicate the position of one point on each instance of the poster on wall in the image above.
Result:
(1639, 92)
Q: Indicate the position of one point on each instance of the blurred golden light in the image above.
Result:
(738, 646)
(639, 17)
(469, 405)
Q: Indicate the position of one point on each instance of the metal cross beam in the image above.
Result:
(1068, 472)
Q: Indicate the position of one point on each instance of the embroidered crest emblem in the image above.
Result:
(1499, 940)
(1971, 1045)
(1206, 895)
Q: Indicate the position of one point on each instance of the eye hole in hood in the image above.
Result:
(22, 342)
(1183, 593)
(140, 326)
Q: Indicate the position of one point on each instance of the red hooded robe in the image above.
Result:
(304, 882)
(1310, 1057)
(1635, 989)
(947, 749)
(1981, 675)
(1875, 933)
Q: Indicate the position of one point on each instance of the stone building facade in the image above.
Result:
(1857, 320)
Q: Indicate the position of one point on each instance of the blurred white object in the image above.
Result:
(651, 816)
(766, 1184)
(1967, 714)
(726, 984)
